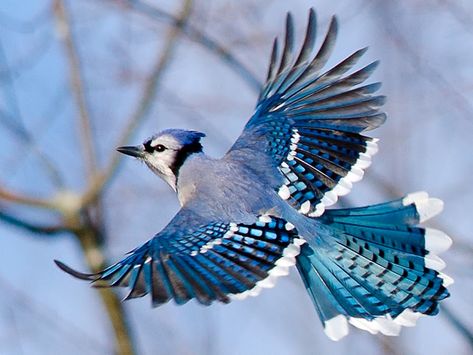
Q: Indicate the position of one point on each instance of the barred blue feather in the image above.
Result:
(311, 120)
(375, 265)
(208, 263)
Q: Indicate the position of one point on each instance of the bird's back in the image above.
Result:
(227, 188)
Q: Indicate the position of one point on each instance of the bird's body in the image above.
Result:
(260, 209)
(229, 187)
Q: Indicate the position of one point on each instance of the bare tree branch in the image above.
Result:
(25, 200)
(22, 26)
(13, 120)
(459, 326)
(49, 317)
(77, 87)
(31, 227)
(196, 35)
(89, 238)
(435, 77)
(389, 346)
(462, 15)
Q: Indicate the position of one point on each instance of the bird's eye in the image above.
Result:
(151, 149)
(160, 148)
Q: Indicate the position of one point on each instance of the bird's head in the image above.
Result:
(165, 152)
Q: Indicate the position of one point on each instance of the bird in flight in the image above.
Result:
(249, 216)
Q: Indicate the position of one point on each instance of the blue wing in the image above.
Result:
(208, 262)
(308, 122)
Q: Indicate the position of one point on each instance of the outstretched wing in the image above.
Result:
(308, 122)
(207, 262)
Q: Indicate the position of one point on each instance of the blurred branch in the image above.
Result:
(390, 346)
(24, 200)
(89, 237)
(459, 326)
(30, 143)
(196, 35)
(53, 109)
(30, 227)
(434, 76)
(27, 59)
(25, 26)
(148, 96)
(64, 24)
(14, 123)
(48, 317)
(77, 87)
(462, 15)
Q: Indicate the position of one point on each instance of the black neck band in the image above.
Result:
(183, 154)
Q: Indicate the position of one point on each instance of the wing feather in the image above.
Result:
(309, 121)
(207, 262)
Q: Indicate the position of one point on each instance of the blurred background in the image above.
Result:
(79, 78)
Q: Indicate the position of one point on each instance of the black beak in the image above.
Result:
(134, 151)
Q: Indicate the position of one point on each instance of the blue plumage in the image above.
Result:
(249, 216)
(211, 263)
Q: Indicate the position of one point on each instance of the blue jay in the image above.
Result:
(246, 218)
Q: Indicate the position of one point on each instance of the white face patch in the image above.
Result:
(160, 162)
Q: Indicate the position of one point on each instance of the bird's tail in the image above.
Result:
(377, 270)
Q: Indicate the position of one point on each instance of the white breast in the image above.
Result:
(185, 193)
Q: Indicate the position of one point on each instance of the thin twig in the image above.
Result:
(25, 200)
(49, 317)
(462, 15)
(459, 326)
(90, 243)
(28, 59)
(13, 120)
(77, 87)
(31, 227)
(389, 346)
(16, 159)
(144, 106)
(25, 26)
(64, 21)
(198, 36)
(460, 101)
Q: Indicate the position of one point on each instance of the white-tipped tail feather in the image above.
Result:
(336, 328)
(427, 207)
(447, 280)
(436, 241)
(433, 262)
